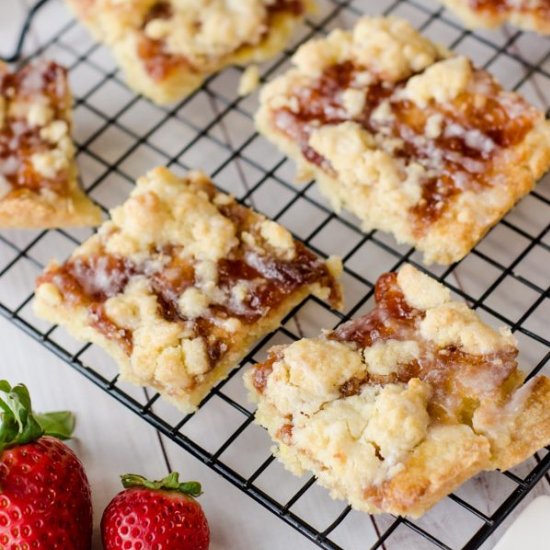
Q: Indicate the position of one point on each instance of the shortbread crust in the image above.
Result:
(38, 174)
(394, 410)
(167, 48)
(410, 138)
(180, 283)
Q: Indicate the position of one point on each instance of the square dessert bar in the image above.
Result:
(167, 48)
(180, 283)
(530, 15)
(394, 410)
(38, 174)
(410, 138)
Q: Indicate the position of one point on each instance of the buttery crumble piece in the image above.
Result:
(530, 15)
(412, 139)
(180, 283)
(38, 174)
(167, 48)
(394, 410)
(249, 81)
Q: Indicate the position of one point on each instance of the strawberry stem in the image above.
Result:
(170, 483)
(20, 425)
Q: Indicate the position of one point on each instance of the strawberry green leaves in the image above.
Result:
(58, 424)
(18, 423)
(169, 483)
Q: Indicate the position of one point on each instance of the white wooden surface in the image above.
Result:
(111, 440)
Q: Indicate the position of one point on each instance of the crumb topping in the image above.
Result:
(36, 150)
(396, 120)
(192, 34)
(170, 278)
(358, 404)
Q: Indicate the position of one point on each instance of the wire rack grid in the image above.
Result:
(120, 135)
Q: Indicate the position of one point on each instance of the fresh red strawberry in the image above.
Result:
(44, 493)
(155, 514)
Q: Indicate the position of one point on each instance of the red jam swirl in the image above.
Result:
(90, 281)
(458, 379)
(473, 131)
(160, 64)
(42, 83)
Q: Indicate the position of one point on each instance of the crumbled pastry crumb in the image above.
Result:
(442, 81)
(39, 114)
(391, 47)
(279, 238)
(193, 303)
(55, 131)
(158, 29)
(249, 81)
(174, 291)
(185, 217)
(5, 187)
(392, 416)
(384, 357)
(354, 101)
(195, 356)
(455, 324)
(434, 126)
(50, 163)
(397, 130)
(240, 292)
(420, 290)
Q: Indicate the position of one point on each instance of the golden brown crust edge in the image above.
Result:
(186, 401)
(431, 473)
(445, 242)
(31, 211)
(483, 19)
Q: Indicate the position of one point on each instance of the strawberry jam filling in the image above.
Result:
(160, 63)
(474, 127)
(43, 84)
(91, 281)
(457, 378)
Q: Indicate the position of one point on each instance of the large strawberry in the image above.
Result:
(44, 493)
(155, 514)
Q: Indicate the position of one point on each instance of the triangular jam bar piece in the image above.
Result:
(38, 174)
(412, 139)
(394, 410)
(180, 284)
(167, 48)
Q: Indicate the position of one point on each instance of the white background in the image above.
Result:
(111, 440)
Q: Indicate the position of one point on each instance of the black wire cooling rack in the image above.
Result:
(120, 136)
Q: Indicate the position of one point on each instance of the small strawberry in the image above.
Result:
(159, 515)
(44, 493)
